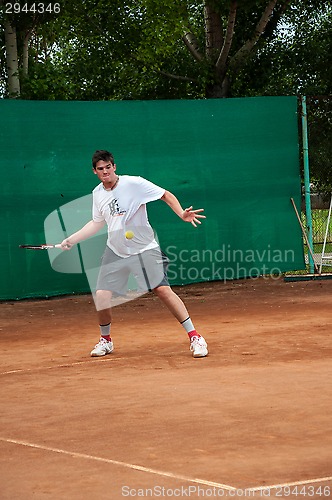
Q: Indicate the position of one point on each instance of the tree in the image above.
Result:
(147, 49)
(298, 60)
(20, 22)
(12, 60)
(219, 36)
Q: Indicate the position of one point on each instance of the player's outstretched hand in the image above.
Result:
(66, 245)
(193, 216)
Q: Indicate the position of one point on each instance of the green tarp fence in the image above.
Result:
(236, 158)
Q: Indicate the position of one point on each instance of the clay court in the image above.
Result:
(149, 420)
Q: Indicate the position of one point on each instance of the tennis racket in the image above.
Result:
(39, 247)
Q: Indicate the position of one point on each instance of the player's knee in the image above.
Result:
(103, 299)
(163, 291)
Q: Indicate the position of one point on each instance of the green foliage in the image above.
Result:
(111, 49)
(298, 60)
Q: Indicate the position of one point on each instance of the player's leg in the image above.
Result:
(176, 306)
(112, 277)
(103, 300)
(172, 301)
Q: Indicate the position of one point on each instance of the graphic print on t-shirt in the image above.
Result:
(115, 208)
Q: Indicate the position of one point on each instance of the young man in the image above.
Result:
(120, 201)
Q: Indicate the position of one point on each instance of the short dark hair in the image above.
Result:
(101, 154)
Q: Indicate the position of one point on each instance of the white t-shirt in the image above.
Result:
(124, 209)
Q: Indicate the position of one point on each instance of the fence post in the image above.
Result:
(307, 179)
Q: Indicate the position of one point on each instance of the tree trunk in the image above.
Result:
(12, 61)
(221, 64)
(239, 59)
(213, 32)
(218, 90)
(25, 59)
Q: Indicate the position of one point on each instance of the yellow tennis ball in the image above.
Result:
(129, 235)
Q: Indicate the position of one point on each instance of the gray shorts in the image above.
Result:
(142, 272)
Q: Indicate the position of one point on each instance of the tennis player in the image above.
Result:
(120, 202)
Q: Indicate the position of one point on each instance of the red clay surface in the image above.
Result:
(256, 412)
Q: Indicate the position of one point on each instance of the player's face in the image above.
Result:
(105, 172)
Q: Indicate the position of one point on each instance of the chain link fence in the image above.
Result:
(319, 122)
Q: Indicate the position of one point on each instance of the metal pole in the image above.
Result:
(307, 181)
(304, 233)
(325, 237)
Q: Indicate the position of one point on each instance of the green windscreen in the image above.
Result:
(236, 158)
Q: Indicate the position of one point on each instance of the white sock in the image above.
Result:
(188, 325)
(105, 330)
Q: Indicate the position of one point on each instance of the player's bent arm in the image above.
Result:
(91, 228)
(188, 214)
(173, 203)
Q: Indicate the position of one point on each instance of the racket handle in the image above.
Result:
(58, 245)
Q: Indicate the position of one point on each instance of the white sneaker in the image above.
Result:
(102, 348)
(198, 346)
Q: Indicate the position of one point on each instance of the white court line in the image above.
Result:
(164, 473)
(295, 483)
(122, 464)
(65, 365)
(111, 359)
